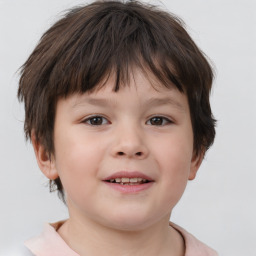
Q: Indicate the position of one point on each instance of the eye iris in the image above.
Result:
(156, 121)
(96, 120)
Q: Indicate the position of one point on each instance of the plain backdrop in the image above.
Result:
(219, 206)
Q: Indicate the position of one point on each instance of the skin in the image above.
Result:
(139, 128)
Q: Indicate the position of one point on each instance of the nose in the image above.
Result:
(130, 143)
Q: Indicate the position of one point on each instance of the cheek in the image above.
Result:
(175, 169)
(174, 161)
(77, 161)
(175, 152)
(74, 150)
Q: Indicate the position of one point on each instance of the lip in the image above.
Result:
(129, 189)
(128, 174)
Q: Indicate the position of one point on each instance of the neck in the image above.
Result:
(89, 238)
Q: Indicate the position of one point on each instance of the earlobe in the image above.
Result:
(195, 164)
(44, 160)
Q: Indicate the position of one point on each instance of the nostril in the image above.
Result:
(120, 153)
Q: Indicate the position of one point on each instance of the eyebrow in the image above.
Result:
(149, 102)
(96, 102)
(165, 101)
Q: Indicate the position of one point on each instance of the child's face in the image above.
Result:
(137, 132)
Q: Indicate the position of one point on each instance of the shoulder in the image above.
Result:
(194, 247)
(49, 243)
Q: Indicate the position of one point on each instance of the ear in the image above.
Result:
(195, 164)
(44, 159)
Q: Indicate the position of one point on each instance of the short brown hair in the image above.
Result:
(90, 42)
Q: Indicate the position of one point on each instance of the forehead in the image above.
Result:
(142, 89)
(141, 79)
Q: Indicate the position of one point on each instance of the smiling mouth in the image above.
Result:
(128, 181)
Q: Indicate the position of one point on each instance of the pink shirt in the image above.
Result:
(50, 243)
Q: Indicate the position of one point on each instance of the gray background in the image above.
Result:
(218, 207)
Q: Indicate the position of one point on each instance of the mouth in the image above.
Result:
(128, 181)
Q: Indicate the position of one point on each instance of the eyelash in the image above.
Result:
(163, 120)
(89, 120)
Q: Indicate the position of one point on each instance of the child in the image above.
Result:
(117, 108)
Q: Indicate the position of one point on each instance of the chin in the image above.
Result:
(130, 221)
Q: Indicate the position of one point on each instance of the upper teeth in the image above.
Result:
(128, 180)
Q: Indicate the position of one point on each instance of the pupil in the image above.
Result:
(96, 121)
(156, 121)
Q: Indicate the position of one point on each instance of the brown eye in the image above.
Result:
(158, 121)
(96, 120)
